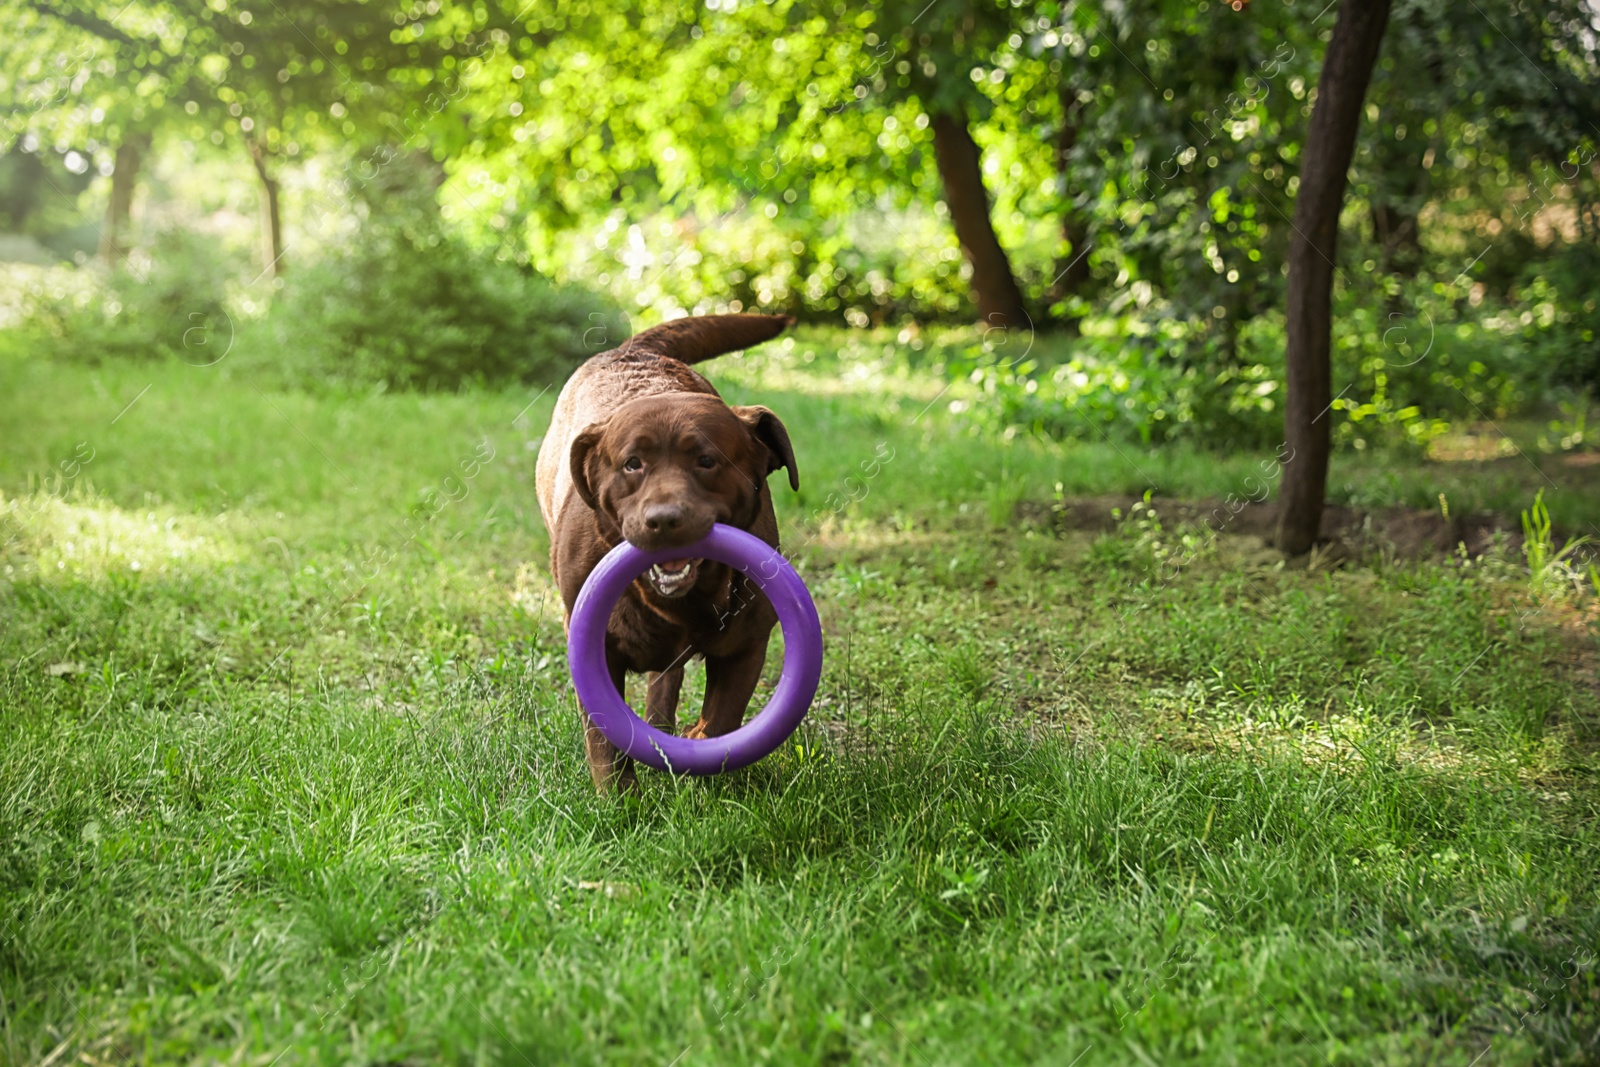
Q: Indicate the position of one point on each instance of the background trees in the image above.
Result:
(1157, 176)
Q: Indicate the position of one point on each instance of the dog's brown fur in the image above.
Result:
(700, 462)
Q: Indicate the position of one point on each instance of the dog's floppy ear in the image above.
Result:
(769, 430)
(578, 462)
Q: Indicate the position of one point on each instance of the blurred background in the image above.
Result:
(428, 195)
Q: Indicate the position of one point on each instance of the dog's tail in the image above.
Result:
(695, 339)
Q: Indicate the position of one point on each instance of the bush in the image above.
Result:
(1149, 383)
(412, 308)
(407, 307)
(1398, 377)
(151, 307)
(1561, 325)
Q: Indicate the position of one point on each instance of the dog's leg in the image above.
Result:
(609, 768)
(661, 700)
(730, 681)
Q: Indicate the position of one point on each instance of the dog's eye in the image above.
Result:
(706, 462)
(633, 464)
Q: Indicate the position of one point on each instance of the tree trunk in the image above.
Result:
(271, 220)
(1072, 269)
(116, 239)
(1330, 142)
(961, 167)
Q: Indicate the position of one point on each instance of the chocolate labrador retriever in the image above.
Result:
(642, 448)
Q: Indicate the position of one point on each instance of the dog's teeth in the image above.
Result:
(670, 581)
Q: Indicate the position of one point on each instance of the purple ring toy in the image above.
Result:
(802, 655)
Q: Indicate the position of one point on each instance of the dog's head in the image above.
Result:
(662, 469)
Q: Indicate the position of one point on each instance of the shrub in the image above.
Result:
(1562, 322)
(141, 310)
(412, 308)
(1398, 377)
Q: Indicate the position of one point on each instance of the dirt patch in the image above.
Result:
(1404, 533)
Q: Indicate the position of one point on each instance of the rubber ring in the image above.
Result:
(802, 655)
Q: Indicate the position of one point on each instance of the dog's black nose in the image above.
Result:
(663, 518)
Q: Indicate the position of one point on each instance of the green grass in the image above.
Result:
(306, 785)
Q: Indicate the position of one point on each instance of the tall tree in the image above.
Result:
(994, 286)
(128, 160)
(942, 40)
(1313, 250)
(300, 73)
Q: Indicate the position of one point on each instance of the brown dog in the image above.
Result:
(642, 448)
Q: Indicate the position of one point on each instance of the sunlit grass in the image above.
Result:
(91, 538)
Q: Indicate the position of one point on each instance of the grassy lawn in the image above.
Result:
(290, 771)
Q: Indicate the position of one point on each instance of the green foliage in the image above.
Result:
(1571, 431)
(779, 156)
(411, 307)
(159, 306)
(1151, 379)
(1550, 569)
(405, 305)
(1163, 383)
(36, 192)
(1561, 317)
(93, 76)
(1404, 375)
(862, 270)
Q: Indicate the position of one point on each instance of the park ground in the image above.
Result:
(290, 771)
